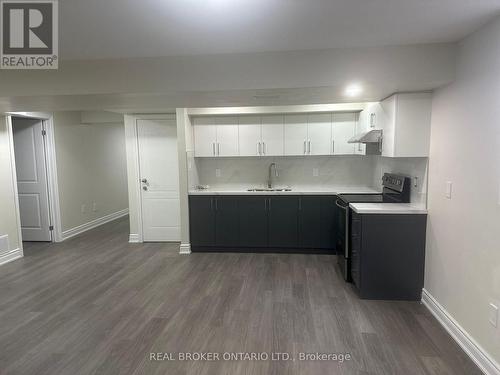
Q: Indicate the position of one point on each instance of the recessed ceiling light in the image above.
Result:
(353, 90)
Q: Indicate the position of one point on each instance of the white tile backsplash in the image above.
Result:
(416, 168)
(300, 172)
(297, 172)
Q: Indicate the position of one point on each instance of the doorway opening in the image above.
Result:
(36, 181)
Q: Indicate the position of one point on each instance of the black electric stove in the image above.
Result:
(396, 189)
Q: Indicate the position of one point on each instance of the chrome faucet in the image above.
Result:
(270, 177)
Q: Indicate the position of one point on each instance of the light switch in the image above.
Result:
(448, 189)
(315, 172)
(217, 172)
(493, 314)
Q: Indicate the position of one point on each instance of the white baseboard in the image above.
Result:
(93, 224)
(11, 255)
(133, 238)
(480, 357)
(185, 248)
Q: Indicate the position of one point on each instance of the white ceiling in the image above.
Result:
(99, 29)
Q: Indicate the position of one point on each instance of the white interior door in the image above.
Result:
(295, 135)
(159, 173)
(31, 172)
(319, 134)
(344, 127)
(272, 135)
(250, 136)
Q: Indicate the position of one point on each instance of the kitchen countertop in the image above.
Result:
(388, 208)
(334, 190)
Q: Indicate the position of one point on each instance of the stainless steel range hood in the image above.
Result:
(372, 136)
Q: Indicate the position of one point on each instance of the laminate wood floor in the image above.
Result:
(98, 305)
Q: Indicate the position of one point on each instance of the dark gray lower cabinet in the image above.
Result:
(253, 222)
(388, 255)
(288, 223)
(283, 221)
(317, 222)
(226, 221)
(202, 221)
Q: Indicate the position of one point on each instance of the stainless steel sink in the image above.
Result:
(264, 189)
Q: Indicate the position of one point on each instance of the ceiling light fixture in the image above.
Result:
(353, 90)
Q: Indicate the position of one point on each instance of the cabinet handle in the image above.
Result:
(305, 147)
(264, 148)
(309, 143)
(213, 148)
(333, 147)
(265, 204)
(218, 149)
(269, 203)
(258, 148)
(372, 120)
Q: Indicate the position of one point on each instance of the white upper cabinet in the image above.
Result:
(250, 136)
(343, 129)
(205, 137)
(319, 134)
(295, 139)
(215, 136)
(272, 135)
(227, 136)
(406, 124)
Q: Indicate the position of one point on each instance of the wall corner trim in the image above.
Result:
(185, 248)
(480, 357)
(11, 255)
(93, 224)
(134, 238)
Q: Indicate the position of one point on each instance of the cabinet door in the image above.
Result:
(319, 134)
(227, 136)
(295, 134)
(250, 136)
(205, 137)
(328, 234)
(344, 126)
(272, 135)
(386, 119)
(310, 222)
(283, 223)
(202, 220)
(226, 221)
(253, 221)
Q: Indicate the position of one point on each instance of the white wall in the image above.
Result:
(8, 218)
(91, 167)
(463, 240)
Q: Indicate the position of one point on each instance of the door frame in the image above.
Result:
(50, 166)
(135, 195)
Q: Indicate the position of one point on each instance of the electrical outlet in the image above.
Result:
(315, 172)
(94, 206)
(449, 186)
(217, 172)
(83, 208)
(493, 314)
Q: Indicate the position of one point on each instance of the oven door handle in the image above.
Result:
(340, 206)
